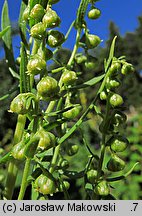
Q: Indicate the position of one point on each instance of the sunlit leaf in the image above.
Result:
(2, 33)
(7, 39)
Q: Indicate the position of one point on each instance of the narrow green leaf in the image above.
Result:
(74, 174)
(131, 170)
(24, 77)
(30, 148)
(2, 33)
(117, 178)
(6, 158)
(28, 102)
(22, 24)
(7, 39)
(111, 54)
(14, 74)
(90, 82)
(48, 152)
(53, 125)
(33, 3)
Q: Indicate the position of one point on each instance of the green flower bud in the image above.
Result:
(103, 95)
(37, 12)
(116, 100)
(22, 103)
(112, 83)
(90, 64)
(94, 13)
(115, 164)
(38, 31)
(118, 143)
(92, 41)
(18, 151)
(102, 188)
(114, 68)
(55, 38)
(72, 149)
(73, 112)
(47, 140)
(68, 77)
(47, 87)
(26, 13)
(51, 19)
(91, 176)
(79, 58)
(35, 65)
(45, 185)
(127, 68)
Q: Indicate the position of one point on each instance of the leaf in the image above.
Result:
(88, 186)
(14, 74)
(53, 125)
(117, 178)
(33, 3)
(90, 82)
(22, 24)
(24, 77)
(111, 54)
(48, 152)
(7, 39)
(31, 147)
(2, 33)
(6, 158)
(74, 174)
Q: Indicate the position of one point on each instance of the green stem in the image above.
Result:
(24, 179)
(75, 48)
(56, 70)
(50, 107)
(28, 160)
(100, 165)
(103, 145)
(54, 159)
(13, 167)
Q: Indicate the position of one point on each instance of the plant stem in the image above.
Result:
(13, 168)
(75, 48)
(103, 146)
(54, 159)
(100, 165)
(24, 179)
(50, 107)
(28, 160)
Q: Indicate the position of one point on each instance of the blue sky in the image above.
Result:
(123, 12)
